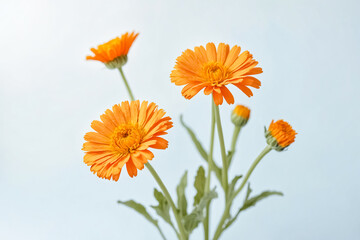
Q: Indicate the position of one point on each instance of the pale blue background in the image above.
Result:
(49, 94)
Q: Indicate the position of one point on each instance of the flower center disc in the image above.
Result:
(215, 73)
(126, 138)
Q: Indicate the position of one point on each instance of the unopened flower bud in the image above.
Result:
(279, 135)
(240, 115)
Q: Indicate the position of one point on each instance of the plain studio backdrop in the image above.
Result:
(49, 94)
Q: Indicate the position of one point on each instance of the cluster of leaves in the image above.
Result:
(192, 219)
(189, 220)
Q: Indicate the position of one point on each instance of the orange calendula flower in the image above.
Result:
(280, 135)
(114, 52)
(240, 115)
(124, 136)
(212, 69)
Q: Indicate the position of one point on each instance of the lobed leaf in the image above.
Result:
(163, 207)
(192, 220)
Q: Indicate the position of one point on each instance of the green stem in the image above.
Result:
(157, 178)
(223, 151)
(183, 235)
(226, 213)
(210, 163)
(161, 233)
(126, 84)
(175, 230)
(233, 143)
(266, 150)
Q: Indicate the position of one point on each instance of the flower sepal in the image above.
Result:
(280, 135)
(271, 141)
(117, 62)
(240, 115)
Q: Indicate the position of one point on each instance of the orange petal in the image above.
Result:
(227, 95)
(245, 89)
(100, 128)
(251, 81)
(233, 54)
(222, 52)
(208, 90)
(160, 143)
(131, 169)
(240, 60)
(95, 147)
(96, 137)
(218, 98)
(211, 51)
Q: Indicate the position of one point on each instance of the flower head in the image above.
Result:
(114, 52)
(124, 136)
(240, 115)
(280, 135)
(212, 69)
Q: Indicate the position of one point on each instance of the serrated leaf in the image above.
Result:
(142, 210)
(232, 185)
(199, 185)
(180, 190)
(163, 208)
(192, 220)
(197, 143)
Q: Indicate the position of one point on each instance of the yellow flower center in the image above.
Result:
(126, 138)
(215, 73)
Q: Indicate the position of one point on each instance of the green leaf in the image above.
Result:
(197, 143)
(231, 189)
(201, 149)
(163, 209)
(199, 185)
(250, 202)
(142, 210)
(192, 220)
(180, 190)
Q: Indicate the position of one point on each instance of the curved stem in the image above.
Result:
(266, 150)
(168, 197)
(226, 213)
(223, 151)
(210, 164)
(126, 84)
